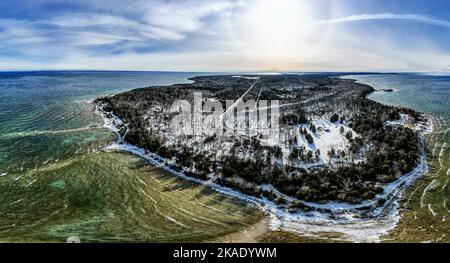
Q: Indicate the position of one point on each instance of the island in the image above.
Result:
(323, 141)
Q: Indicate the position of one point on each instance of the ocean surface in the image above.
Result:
(426, 208)
(56, 182)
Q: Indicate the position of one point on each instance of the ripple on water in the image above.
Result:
(99, 199)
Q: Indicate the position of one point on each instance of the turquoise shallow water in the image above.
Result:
(427, 206)
(38, 110)
(55, 182)
(426, 93)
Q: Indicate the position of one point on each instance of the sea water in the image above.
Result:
(57, 182)
(427, 205)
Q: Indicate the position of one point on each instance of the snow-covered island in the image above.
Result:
(330, 144)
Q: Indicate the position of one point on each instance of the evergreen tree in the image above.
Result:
(334, 118)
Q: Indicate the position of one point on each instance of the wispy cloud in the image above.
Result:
(20, 33)
(388, 16)
(185, 16)
(219, 35)
(117, 27)
(140, 24)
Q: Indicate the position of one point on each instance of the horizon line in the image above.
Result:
(214, 71)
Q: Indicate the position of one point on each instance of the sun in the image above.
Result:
(272, 27)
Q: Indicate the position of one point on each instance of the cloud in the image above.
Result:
(138, 25)
(186, 16)
(214, 35)
(14, 32)
(160, 19)
(388, 16)
(118, 27)
(92, 29)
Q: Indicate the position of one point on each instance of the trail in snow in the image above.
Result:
(342, 217)
(345, 220)
(237, 101)
(259, 95)
(279, 106)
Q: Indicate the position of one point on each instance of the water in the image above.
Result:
(32, 105)
(421, 213)
(427, 204)
(55, 182)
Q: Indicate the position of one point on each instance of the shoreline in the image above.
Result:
(339, 215)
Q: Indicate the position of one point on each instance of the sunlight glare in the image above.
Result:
(273, 26)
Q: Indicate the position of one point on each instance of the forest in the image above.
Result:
(374, 153)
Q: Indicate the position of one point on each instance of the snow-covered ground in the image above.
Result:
(245, 77)
(399, 122)
(342, 218)
(327, 136)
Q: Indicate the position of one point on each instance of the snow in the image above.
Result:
(327, 136)
(245, 77)
(342, 218)
(308, 223)
(399, 122)
(426, 127)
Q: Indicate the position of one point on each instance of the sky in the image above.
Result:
(225, 35)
